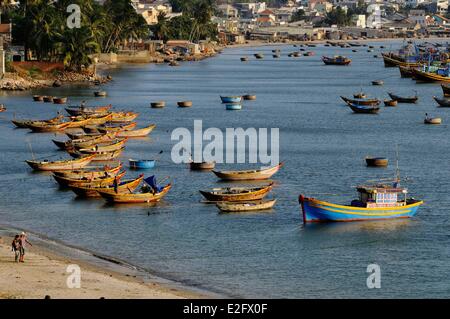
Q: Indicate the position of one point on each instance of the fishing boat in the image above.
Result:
(432, 120)
(445, 102)
(100, 93)
(141, 164)
(38, 98)
(445, 89)
(364, 109)
(202, 166)
(84, 143)
(111, 128)
(142, 132)
(237, 194)
(91, 173)
(2, 108)
(184, 104)
(259, 55)
(231, 99)
(83, 110)
(63, 165)
(97, 119)
(260, 174)
(367, 102)
(432, 73)
(125, 187)
(394, 60)
(149, 193)
(249, 97)
(244, 59)
(98, 156)
(233, 106)
(336, 60)
(229, 207)
(378, 82)
(78, 122)
(379, 201)
(404, 99)
(122, 117)
(47, 127)
(275, 56)
(390, 103)
(109, 146)
(101, 181)
(48, 99)
(158, 104)
(309, 53)
(376, 161)
(60, 100)
(25, 123)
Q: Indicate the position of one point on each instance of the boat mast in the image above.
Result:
(397, 169)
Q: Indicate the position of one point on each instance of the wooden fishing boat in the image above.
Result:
(259, 55)
(83, 110)
(101, 181)
(202, 166)
(112, 128)
(377, 161)
(367, 102)
(249, 97)
(237, 194)
(38, 98)
(47, 127)
(378, 82)
(83, 135)
(445, 102)
(260, 174)
(229, 207)
(406, 71)
(406, 99)
(364, 109)
(375, 202)
(445, 89)
(78, 122)
(99, 156)
(424, 76)
(390, 103)
(391, 60)
(122, 117)
(91, 173)
(100, 93)
(146, 195)
(60, 100)
(244, 59)
(125, 187)
(98, 119)
(233, 106)
(142, 132)
(142, 164)
(24, 123)
(276, 56)
(63, 165)
(231, 99)
(84, 143)
(184, 104)
(109, 146)
(158, 104)
(336, 60)
(432, 120)
(48, 99)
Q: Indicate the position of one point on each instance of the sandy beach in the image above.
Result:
(44, 274)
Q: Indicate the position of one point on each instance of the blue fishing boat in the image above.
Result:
(234, 106)
(379, 201)
(142, 164)
(231, 99)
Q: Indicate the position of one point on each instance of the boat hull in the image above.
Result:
(231, 99)
(429, 77)
(314, 211)
(142, 164)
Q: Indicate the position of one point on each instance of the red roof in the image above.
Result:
(266, 12)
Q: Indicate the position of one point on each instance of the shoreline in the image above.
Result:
(44, 273)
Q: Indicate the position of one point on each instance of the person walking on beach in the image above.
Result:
(15, 247)
(23, 242)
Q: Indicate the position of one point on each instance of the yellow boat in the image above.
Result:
(65, 165)
(429, 76)
(237, 194)
(103, 147)
(124, 187)
(248, 174)
(92, 182)
(137, 133)
(146, 195)
(91, 173)
(246, 206)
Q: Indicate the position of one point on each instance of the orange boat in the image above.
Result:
(124, 187)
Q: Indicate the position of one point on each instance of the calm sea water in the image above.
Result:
(263, 254)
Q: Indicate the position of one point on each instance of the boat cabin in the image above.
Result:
(380, 196)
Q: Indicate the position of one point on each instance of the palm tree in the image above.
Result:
(161, 29)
